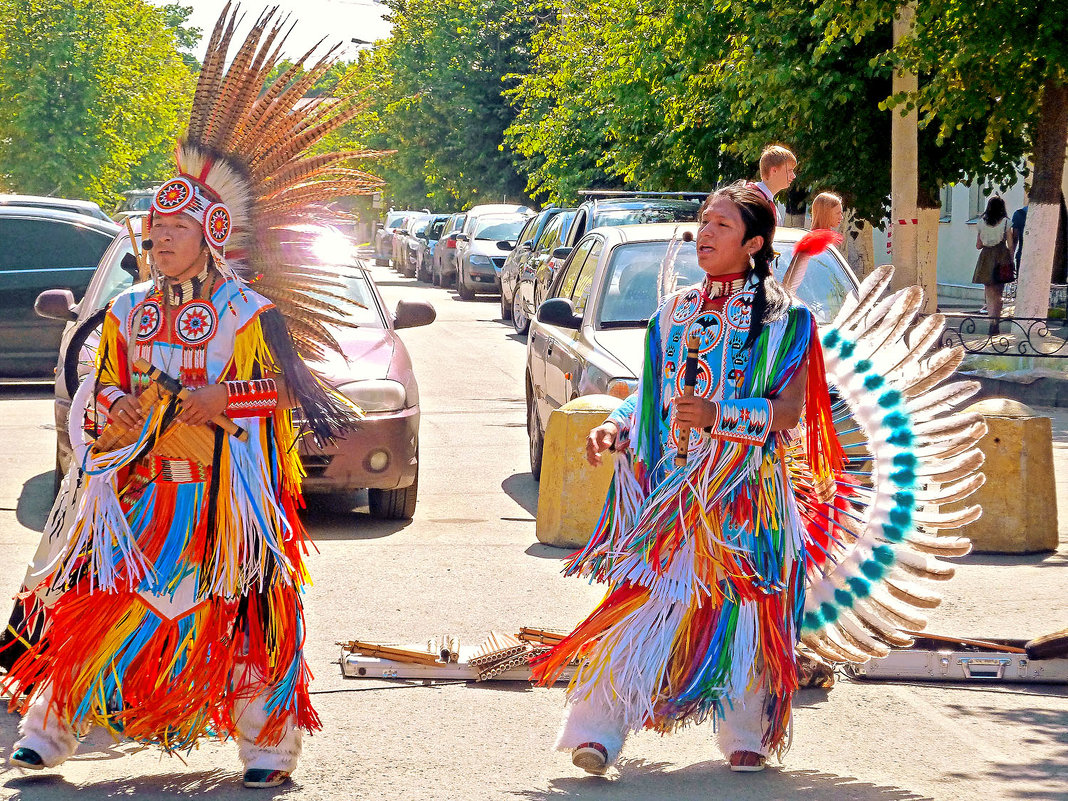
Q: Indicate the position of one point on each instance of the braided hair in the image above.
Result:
(770, 300)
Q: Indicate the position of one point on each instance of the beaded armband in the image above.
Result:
(747, 421)
(251, 398)
(108, 397)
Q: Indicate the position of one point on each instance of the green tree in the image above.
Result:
(93, 94)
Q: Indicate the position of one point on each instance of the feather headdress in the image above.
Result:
(246, 172)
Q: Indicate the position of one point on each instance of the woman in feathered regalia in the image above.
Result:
(173, 600)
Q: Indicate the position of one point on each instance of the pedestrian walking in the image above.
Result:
(995, 266)
(827, 216)
(174, 599)
(778, 167)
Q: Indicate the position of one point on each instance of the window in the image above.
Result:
(581, 293)
(945, 196)
(978, 193)
(528, 231)
(49, 245)
(630, 281)
(570, 275)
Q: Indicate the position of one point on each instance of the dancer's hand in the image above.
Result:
(694, 412)
(202, 405)
(126, 411)
(599, 440)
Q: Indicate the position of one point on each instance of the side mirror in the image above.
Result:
(56, 304)
(413, 313)
(562, 253)
(504, 244)
(463, 238)
(561, 312)
(528, 245)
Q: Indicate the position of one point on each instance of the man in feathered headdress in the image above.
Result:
(173, 605)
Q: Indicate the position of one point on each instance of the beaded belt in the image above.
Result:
(173, 471)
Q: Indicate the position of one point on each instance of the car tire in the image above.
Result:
(422, 274)
(506, 308)
(463, 290)
(520, 321)
(74, 347)
(435, 279)
(535, 436)
(394, 504)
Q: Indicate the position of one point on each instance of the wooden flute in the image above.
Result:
(693, 349)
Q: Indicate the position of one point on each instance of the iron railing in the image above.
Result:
(1036, 337)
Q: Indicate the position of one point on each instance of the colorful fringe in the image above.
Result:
(706, 568)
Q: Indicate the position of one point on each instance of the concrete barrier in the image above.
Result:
(571, 492)
(1019, 498)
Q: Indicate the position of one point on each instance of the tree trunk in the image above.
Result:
(904, 169)
(927, 255)
(1044, 202)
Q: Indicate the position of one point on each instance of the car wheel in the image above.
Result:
(435, 278)
(74, 349)
(520, 321)
(394, 504)
(535, 436)
(422, 274)
(506, 308)
(463, 290)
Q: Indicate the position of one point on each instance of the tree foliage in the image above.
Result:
(435, 89)
(93, 94)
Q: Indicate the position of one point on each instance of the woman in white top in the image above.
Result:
(991, 243)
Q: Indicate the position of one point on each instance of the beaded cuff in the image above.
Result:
(747, 420)
(108, 397)
(251, 398)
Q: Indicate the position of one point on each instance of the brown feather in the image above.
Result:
(210, 70)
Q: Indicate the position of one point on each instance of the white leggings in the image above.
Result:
(741, 728)
(55, 741)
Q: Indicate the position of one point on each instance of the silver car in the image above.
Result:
(588, 335)
(484, 249)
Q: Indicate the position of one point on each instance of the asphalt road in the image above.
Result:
(469, 562)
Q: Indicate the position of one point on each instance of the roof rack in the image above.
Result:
(627, 193)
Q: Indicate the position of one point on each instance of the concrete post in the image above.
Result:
(571, 493)
(1019, 498)
(904, 170)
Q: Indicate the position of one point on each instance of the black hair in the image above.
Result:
(770, 300)
(995, 210)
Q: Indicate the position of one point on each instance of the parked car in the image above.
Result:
(134, 203)
(520, 255)
(606, 208)
(425, 244)
(384, 234)
(86, 207)
(42, 249)
(534, 270)
(402, 236)
(375, 372)
(483, 252)
(443, 272)
(588, 334)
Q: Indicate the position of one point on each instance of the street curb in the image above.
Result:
(1026, 387)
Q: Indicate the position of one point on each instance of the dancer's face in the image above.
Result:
(721, 245)
(178, 248)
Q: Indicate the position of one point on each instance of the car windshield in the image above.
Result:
(142, 203)
(630, 295)
(498, 229)
(355, 286)
(395, 219)
(660, 211)
(825, 285)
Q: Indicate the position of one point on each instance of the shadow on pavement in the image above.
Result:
(334, 517)
(217, 783)
(640, 779)
(30, 390)
(543, 551)
(35, 501)
(523, 489)
(1039, 731)
(1058, 558)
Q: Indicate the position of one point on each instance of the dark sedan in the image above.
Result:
(42, 249)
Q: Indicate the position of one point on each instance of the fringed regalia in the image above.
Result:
(170, 576)
(186, 597)
(811, 539)
(705, 562)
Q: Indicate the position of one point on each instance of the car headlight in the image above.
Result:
(622, 387)
(378, 395)
(481, 261)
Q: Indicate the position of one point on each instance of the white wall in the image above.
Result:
(956, 241)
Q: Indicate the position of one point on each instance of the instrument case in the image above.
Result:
(937, 660)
